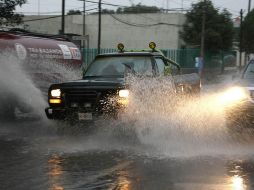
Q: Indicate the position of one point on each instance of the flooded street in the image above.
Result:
(161, 141)
(34, 156)
(157, 145)
(126, 95)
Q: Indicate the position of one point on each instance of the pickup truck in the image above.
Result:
(85, 99)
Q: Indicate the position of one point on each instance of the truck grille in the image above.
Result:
(87, 100)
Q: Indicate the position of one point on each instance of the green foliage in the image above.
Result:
(74, 12)
(219, 27)
(134, 9)
(107, 11)
(7, 15)
(248, 31)
(139, 8)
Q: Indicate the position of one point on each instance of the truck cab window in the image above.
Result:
(249, 72)
(160, 66)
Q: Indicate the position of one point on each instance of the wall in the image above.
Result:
(166, 36)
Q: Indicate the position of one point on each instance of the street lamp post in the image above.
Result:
(84, 22)
(249, 7)
(99, 28)
(241, 39)
(202, 52)
(63, 17)
(202, 48)
(39, 7)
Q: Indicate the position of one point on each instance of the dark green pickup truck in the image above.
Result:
(91, 97)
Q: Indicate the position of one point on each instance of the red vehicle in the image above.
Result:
(31, 46)
(45, 59)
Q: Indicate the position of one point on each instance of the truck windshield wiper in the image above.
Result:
(103, 76)
(92, 76)
(129, 67)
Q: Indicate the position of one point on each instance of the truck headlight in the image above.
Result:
(124, 93)
(234, 95)
(56, 93)
(123, 97)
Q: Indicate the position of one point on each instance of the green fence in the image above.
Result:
(184, 57)
(220, 59)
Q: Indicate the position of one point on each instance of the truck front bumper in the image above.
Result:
(56, 113)
(78, 114)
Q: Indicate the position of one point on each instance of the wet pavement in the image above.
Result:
(34, 156)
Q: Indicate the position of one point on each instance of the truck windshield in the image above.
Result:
(249, 72)
(119, 66)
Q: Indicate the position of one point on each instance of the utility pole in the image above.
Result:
(39, 7)
(63, 17)
(202, 48)
(84, 18)
(202, 52)
(167, 5)
(99, 29)
(84, 22)
(241, 39)
(249, 7)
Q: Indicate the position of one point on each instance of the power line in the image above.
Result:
(123, 6)
(176, 2)
(104, 3)
(56, 12)
(46, 18)
(115, 5)
(57, 16)
(120, 20)
(142, 25)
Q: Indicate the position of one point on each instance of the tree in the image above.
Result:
(107, 11)
(139, 8)
(248, 30)
(219, 30)
(7, 15)
(74, 12)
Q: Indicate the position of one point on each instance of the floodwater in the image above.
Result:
(159, 143)
(34, 156)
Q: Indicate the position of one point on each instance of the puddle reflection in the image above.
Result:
(238, 183)
(238, 176)
(122, 182)
(55, 172)
(74, 172)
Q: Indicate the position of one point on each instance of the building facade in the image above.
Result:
(134, 30)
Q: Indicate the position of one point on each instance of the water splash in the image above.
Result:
(173, 123)
(24, 85)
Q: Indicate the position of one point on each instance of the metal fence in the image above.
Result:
(184, 57)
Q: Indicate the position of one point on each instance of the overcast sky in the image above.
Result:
(54, 6)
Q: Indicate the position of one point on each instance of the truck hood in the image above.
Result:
(94, 83)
